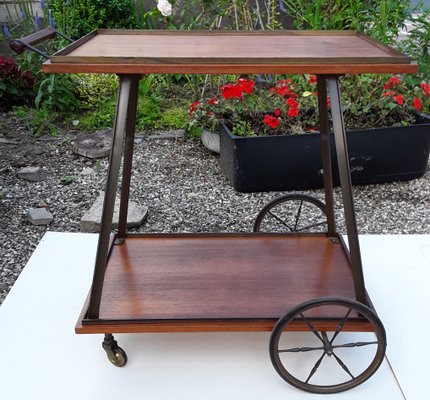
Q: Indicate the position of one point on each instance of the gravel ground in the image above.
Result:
(180, 182)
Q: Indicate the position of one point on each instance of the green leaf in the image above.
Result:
(12, 90)
(38, 99)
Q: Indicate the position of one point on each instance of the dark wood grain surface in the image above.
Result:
(198, 277)
(140, 51)
(217, 282)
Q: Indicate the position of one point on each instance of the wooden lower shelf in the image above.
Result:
(215, 282)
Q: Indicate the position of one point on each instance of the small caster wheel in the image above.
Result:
(115, 354)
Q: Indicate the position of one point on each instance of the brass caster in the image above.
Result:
(115, 354)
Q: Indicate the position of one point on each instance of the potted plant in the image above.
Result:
(269, 136)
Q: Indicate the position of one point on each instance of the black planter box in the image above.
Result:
(293, 162)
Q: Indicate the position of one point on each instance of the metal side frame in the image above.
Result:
(125, 120)
(346, 186)
(325, 154)
(344, 175)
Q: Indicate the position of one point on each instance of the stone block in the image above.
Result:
(39, 216)
(33, 174)
(91, 220)
(94, 145)
(211, 141)
(172, 134)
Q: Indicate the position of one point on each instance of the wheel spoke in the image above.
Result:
(299, 212)
(279, 219)
(300, 349)
(311, 226)
(344, 367)
(312, 328)
(341, 325)
(315, 368)
(354, 344)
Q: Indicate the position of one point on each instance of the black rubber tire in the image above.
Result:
(117, 356)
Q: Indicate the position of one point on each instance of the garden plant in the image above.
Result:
(88, 102)
(289, 106)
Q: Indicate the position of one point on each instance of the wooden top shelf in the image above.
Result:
(142, 51)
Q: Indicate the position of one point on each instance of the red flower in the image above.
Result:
(388, 93)
(246, 85)
(28, 78)
(8, 66)
(312, 79)
(284, 89)
(293, 112)
(392, 82)
(270, 121)
(417, 104)
(193, 107)
(398, 99)
(284, 82)
(277, 112)
(213, 101)
(291, 102)
(426, 89)
(231, 91)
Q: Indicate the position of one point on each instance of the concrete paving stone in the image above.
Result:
(211, 141)
(94, 145)
(32, 174)
(91, 220)
(172, 134)
(39, 216)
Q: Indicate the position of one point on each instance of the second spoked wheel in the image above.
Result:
(343, 344)
(292, 213)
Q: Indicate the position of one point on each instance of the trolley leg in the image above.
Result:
(127, 82)
(346, 186)
(325, 154)
(128, 159)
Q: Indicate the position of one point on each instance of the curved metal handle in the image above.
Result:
(19, 45)
(28, 42)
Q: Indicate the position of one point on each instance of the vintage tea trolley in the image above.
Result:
(301, 277)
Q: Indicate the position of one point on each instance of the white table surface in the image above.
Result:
(42, 358)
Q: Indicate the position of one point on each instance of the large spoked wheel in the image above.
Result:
(328, 360)
(292, 213)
